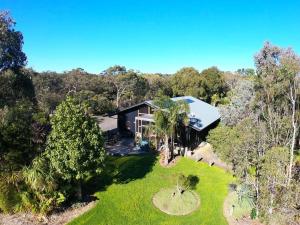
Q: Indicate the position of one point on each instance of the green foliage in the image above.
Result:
(15, 85)
(115, 70)
(248, 72)
(50, 89)
(169, 116)
(15, 136)
(273, 180)
(208, 85)
(186, 81)
(159, 85)
(8, 197)
(11, 42)
(253, 214)
(237, 145)
(212, 84)
(40, 176)
(97, 104)
(75, 144)
(45, 189)
(129, 87)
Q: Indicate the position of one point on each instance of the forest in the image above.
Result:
(42, 114)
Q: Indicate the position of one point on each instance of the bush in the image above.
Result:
(9, 197)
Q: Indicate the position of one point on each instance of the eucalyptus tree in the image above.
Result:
(129, 87)
(186, 81)
(278, 93)
(241, 100)
(212, 86)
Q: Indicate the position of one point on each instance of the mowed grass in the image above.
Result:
(128, 199)
(176, 204)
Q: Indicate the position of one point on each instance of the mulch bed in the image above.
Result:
(171, 163)
(58, 218)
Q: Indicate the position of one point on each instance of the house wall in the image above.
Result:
(187, 137)
(126, 119)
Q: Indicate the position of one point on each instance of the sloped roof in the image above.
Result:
(201, 115)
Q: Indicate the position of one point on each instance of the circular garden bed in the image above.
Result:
(171, 202)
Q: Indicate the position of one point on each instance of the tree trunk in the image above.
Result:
(172, 147)
(156, 143)
(271, 203)
(118, 99)
(293, 96)
(79, 191)
(257, 191)
(167, 150)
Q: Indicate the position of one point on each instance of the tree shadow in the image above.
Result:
(193, 181)
(135, 167)
(120, 170)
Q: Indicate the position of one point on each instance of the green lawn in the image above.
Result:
(128, 200)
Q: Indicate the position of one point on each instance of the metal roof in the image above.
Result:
(201, 114)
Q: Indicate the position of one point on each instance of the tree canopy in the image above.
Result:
(75, 144)
(11, 42)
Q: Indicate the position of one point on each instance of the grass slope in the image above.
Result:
(128, 200)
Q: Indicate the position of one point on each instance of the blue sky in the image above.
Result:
(153, 35)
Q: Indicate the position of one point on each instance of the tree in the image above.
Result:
(278, 90)
(169, 115)
(15, 86)
(246, 72)
(97, 104)
(115, 70)
(212, 84)
(186, 81)
(129, 87)
(273, 177)
(16, 147)
(75, 144)
(159, 85)
(49, 89)
(11, 42)
(241, 100)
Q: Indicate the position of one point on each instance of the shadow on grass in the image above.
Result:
(120, 170)
(189, 182)
(193, 181)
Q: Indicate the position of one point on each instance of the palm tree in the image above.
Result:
(167, 118)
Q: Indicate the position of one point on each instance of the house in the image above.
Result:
(133, 121)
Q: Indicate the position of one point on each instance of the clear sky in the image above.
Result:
(151, 35)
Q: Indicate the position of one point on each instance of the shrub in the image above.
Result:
(9, 197)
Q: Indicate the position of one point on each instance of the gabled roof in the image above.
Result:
(201, 114)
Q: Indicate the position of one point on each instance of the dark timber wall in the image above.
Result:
(126, 119)
(186, 136)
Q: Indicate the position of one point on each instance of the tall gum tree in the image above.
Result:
(278, 87)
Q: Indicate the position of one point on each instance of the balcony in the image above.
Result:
(145, 117)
